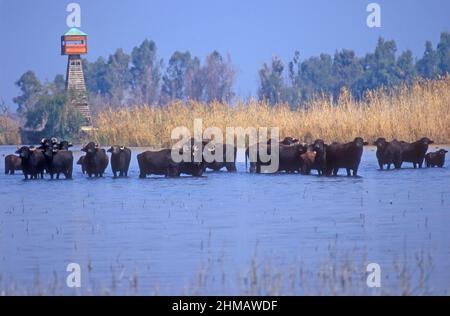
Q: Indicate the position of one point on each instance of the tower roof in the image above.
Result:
(75, 31)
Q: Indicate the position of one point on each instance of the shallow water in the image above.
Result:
(227, 233)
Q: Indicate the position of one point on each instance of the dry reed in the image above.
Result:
(405, 113)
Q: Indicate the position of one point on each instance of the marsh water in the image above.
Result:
(227, 233)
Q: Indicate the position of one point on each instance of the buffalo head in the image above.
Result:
(359, 142)
(64, 145)
(90, 148)
(380, 142)
(116, 149)
(426, 141)
(25, 152)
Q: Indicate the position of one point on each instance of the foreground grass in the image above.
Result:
(260, 278)
(405, 113)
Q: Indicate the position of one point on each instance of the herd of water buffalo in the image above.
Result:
(53, 157)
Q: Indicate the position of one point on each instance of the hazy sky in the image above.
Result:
(251, 31)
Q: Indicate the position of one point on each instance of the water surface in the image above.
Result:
(227, 233)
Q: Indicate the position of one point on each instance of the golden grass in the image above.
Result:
(9, 131)
(405, 113)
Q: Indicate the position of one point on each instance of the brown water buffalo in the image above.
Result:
(307, 160)
(81, 163)
(158, 163)
(346, 156)
(388, 153)
(33, 162)
(320, 160)
(120, 160)
(96, 160)
(161, 162)
(415, 152)
(289, 157)
(227, 150)
(12, 163)
(436, 159)
(59, 161)
(64, 145)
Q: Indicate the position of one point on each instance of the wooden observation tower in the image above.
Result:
(74, 44)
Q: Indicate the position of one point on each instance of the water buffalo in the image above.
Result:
(158, 163)
(436, 159)
(33, 162)
(64, 145)
(307, 160)
(227, 149)
(81, 163)
(415, 152)
(289, 157)
(320, 160)
(388, 153)
(120, 160)
(59, 161)
(286, 141)
(96, 160)
(346, 156)
(161, 162)
(12, 163)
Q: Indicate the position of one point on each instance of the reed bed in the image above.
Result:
(405, 113)
(9, 131)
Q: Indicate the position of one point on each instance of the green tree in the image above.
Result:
(59, 83)
(175, 77)
(146, 72)
(118, 76)
(194, 81)
(30, 87)
(443, 53)
(380, 67)
(347, 71)
(219, 78)
(316, 76)
(95, 76)
(52, 115)
(428, 66)
(272, 86)
(406, 67)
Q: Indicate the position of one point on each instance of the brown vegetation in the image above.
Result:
(405, 113)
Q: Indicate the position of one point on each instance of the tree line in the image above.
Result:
(142, 77)
(299, 80)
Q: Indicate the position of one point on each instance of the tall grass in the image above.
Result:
(406, 113)
(9, 131)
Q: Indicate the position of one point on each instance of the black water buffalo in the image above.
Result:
(81, 163)
(158, 163)
(12, 163)
(162, 163)
(59, 161)
(320, 160)
(227, 150)
(436, 159)
(96, 160)
(33, 162)
(286, 141)
(45, 143)
(120, 160)
(415, 152)
(64, 145)
(388, 153)
(346, 156)
(289, 157)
